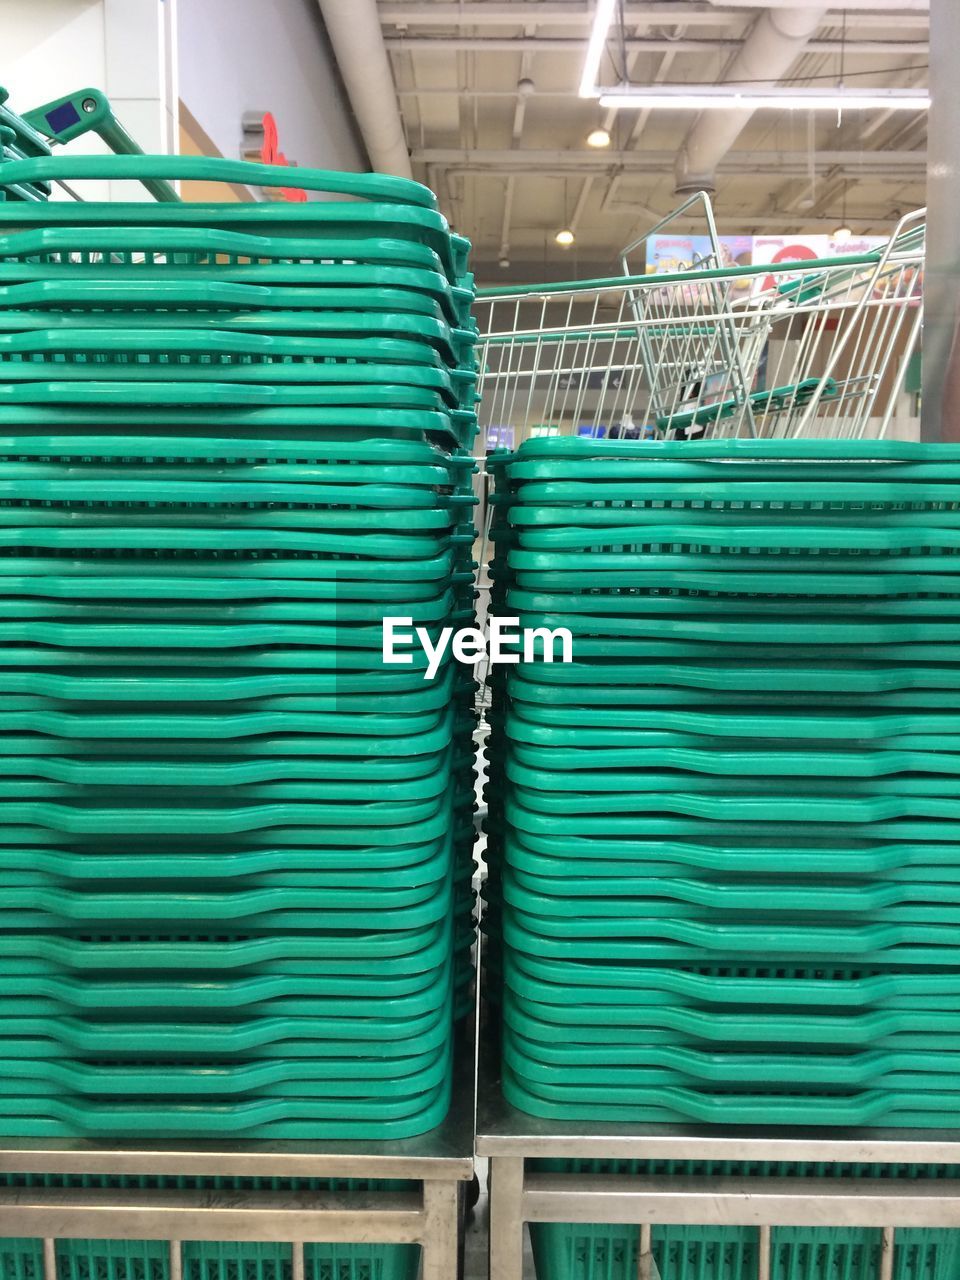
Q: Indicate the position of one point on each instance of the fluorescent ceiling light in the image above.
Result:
(728, 98)
(602, 18)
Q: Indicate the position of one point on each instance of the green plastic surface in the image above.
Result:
(585, 1251)
(719, 892)
(236, 855)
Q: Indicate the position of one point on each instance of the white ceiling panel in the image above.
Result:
(463, 69)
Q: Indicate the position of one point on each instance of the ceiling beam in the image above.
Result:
(506, 217)
(580, 207)
(529, 242)
(832, 193)
(749, 222)
(516, 137)
(641, 44)
(659, 77)
(538, 162)
(579, 13)
(910, 131)
(611, 118)
(744, 172)
(454, 91)
(871, 127)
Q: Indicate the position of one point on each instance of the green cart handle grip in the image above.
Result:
(147, 169)
(89, 111)
(139, 168)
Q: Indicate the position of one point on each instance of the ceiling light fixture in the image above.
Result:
(602, 18)
(598, 138)
(565, 238)
(727, 98)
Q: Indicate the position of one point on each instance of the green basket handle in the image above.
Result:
(141, 168)
(89, 111)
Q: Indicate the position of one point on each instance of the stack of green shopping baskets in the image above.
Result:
(236, 854)
(725, 884)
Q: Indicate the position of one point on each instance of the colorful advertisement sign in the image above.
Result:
(674, 253)
(777, 250)
(685, 253)
(667, 254)
(804, 248)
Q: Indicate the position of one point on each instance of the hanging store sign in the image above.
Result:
(777, 250)
(261, 143)
(671, 253)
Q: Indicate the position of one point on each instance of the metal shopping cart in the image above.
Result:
(816, 348)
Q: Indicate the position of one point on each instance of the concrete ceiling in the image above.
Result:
(511, 168)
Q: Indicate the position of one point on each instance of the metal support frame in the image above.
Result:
(430, 1215)
(519, 1194)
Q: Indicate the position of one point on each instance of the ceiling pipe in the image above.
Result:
(878, 121)
(779, 223)
(357, 40)
(904, 14)
(525, 87)
(534, 163)
(856, 46)
(774, 43)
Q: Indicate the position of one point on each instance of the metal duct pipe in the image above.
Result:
(774, 43)
(357, 39)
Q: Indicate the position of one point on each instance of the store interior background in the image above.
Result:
(479, 100)
(486, 97)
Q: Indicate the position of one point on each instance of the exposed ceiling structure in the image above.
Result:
(488, 95)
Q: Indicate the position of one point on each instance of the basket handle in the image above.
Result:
(89, 111)
(141, 168)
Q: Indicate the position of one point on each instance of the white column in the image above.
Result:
(140, 76)
(127, 48)
(940, 417)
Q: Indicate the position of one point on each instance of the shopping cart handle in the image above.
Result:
(89, 111)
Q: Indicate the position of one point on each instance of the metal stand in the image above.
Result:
(430, 1216)
(518, 1194)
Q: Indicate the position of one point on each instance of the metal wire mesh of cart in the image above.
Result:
(818, 348)
(838, 342)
